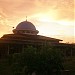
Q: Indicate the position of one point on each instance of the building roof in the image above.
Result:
(26, 32)
(26, 36)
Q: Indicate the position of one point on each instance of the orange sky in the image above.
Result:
(53, 18)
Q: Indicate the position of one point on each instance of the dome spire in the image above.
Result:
(26, 18)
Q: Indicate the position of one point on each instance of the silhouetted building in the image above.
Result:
(25, 34)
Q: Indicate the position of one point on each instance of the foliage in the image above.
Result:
(42, 61)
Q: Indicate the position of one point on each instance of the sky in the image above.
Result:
(53, 18)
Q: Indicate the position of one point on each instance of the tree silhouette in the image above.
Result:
(43, 61)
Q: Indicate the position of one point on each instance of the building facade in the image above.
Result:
(25, 34)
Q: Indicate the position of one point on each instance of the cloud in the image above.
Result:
(14, 11)
(5, 29)
(18, 9)
(23, 7)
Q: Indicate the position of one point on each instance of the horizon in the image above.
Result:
(51, 18)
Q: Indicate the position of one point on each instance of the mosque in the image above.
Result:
(25, 34)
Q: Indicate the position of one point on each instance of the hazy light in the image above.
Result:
(63, 22)
(43, 17)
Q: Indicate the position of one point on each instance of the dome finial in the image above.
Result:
(26, 18)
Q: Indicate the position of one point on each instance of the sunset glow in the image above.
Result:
(53, 18)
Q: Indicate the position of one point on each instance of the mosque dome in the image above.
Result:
(25, 27)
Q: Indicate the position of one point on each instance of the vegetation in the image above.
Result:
(43, 61)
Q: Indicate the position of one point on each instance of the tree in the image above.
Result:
(42, 61)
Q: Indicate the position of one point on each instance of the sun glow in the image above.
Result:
(64, 22)
(43, 17)
(48, 26)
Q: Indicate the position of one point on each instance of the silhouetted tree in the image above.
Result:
(43, 62)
